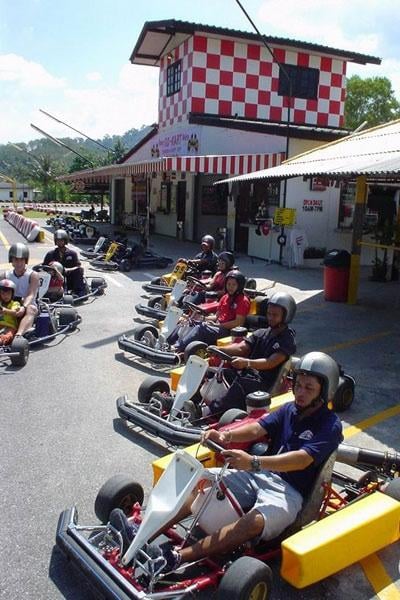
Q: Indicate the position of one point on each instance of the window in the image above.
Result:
(11, 194)
(304, 82)
(25, 194)
(174, 73)
(214, 199)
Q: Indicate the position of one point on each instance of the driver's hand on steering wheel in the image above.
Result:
(238, 459)
(239, 363)
(215, 436)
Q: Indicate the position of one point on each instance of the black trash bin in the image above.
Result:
(336, 275)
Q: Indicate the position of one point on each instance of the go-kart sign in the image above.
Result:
(285, 216)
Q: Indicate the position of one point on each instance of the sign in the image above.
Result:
(285, 216)
(312, 205)
(182, 142)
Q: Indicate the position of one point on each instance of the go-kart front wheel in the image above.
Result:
(147, 334)
(120, 491)
(150, 385)
(195, 349)
(19, 345)
(246, 579)
(157, 302)
(97, 284)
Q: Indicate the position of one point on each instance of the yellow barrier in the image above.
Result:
(341, 539)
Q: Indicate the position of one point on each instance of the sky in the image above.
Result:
(71, 58)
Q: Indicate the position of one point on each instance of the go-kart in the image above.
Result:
(124, 257)
(52, 320)
(93, 287)
(182, 269)
(180, 417)
(358, 514)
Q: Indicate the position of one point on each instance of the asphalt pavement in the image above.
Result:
(60, 438)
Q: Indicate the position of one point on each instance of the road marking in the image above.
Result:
(376, 574)
(4, 240)
(149, 275)
(371, 421)
(114, 281)
(363, 340)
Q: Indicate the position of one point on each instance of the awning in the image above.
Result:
(228, 164)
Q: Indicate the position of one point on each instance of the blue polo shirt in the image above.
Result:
(318, 434)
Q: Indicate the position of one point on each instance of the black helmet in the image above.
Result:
(19, 250)
(324, 368)
(7, 284)
(61, 234)
(209, 240)
(285, 301)
(240, 278)
(228, 259)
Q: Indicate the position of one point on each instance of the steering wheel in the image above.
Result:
(220, 353)
(213, 446)
(195, 308)
(196, 281)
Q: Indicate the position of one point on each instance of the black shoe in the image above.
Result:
(119, 521)
(163, 558)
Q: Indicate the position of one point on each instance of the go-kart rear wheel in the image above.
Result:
(162, 263)
(393, 489)
(156, 281)
(150, 385)
(195, 348)
(97, 284)
(120, 491)
(157, 302)
(125, 265)
(68, 299)
(246, 579)
(344, 394)
(142, 333)
(20, 345)
(231, 415)
(68, 316)
(251, 284)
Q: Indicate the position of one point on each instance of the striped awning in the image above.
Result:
(227, 164)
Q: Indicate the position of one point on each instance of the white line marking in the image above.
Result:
(150, 275)
(114, 281)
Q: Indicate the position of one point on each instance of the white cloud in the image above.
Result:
(27, 74)
(94, 76)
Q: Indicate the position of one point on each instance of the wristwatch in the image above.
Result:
(255, 464)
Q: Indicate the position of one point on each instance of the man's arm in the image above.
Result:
(261, 364)
(34, 282)
(295, 460)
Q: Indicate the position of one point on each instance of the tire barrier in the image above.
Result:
(28, 228)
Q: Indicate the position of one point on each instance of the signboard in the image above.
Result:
(285, 216)
(312, 205)
(181, 142)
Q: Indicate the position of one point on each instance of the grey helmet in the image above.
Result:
(58, 266)
(7, 284)
(324, 368)
(19, 250)
(208, 239)
(228, 258)
(61, 234)
(287, 302)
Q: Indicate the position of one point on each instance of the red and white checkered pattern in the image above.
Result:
(28, 228)
(225, 77)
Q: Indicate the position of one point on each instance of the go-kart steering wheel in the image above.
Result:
(196, 281)
(195, 308)
(213, 446)
(220, 353)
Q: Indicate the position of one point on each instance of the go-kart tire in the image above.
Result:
(251, 284)
(246, 578)
(67, 316)
(150, 385)
(393, 489)
(97, 285)
(195, 348)
(141, 329)
(157, 302)
(20, 345)
(231, 415)
(120, 491)
(125, 265)
(68, 299)
(162, 263)
(344, 394)
(156, 281)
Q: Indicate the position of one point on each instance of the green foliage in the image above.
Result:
(372, 100)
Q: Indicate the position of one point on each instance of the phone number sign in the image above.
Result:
(285, 216)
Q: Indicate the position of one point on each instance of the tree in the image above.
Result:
(372, 100)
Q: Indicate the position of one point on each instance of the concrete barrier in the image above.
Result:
(27, 227)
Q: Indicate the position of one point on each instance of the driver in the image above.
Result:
(26, 283)
(206, 260)
(259, 356)
(215, 284)
(8, 312)
(270, 488)
(68, 258)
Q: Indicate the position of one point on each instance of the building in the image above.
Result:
(22, 191)
(224, 110)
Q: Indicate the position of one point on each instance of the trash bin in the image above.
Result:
(336, 275)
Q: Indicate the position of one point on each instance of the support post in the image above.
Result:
(358, 220)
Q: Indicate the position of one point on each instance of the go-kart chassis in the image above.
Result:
(106, 571)
(151, 355)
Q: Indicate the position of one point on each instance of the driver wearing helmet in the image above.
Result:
(55, 290)
(271, 488)
(216, 283)
(8, 312)
(68, 258)
(206, 260)
(27, 284)
(259, 356)
(232, 310)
